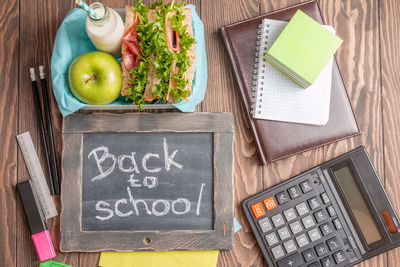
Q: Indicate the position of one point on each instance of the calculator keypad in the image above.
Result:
(327, 261)
(302, 240)
(320, 216)
(277, 252)
(291, 261)
(277, 220)
(325, 198)
(289, 214)
(296, 227)
(269, 203)
(314, 203)
(302, 209)
(333, 244)
(308, 255)
(299, 226)
(337, 223)
(321, 249)
(339, 257)
(314, 234)
(326, 229)
(271, 239)
(265, 224)
(289, 246)
(331, 211)
(306, 186)
(282, 197)
(308, 222)
(294, 192)
(258, 210)
(283, 233)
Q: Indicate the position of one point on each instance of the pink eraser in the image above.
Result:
(43, 245)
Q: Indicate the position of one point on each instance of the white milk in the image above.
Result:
(106, 33)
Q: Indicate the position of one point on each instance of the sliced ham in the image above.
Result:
(131, 21)
(171, 36)
(130, 39)
(129, 59)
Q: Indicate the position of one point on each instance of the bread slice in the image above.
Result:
(152, 79)
(129, 20)
(189, 75)
(191, 53)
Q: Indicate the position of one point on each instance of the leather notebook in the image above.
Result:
(278, 140)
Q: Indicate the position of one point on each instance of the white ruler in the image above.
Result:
(36, 172)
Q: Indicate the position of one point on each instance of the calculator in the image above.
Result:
(335, 214)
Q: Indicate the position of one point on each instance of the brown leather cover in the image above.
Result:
(277, 140)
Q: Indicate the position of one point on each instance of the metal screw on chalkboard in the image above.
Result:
(147, 240)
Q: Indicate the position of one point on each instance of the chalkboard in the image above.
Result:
(147, 181)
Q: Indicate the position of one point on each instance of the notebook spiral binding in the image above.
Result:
(261, 44)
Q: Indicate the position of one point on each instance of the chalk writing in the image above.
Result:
(132, 168)
(99, 208)
(161, 180)
(144, 162)
(100, 160)
(168, 161)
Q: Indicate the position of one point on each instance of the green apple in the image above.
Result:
(95, 78)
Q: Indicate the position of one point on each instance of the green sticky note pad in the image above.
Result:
(53, 264)
(303, 49)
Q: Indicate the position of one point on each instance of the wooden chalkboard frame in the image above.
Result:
(74, 126)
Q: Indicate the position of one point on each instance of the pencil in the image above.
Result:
(36, 97)
(49, 124)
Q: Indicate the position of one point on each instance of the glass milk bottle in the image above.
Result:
(107, 30)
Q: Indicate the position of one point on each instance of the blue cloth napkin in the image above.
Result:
(237, 225)
(72, 41)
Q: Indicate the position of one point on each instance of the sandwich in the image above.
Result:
(158, 53)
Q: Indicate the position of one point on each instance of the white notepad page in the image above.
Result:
(277, 97)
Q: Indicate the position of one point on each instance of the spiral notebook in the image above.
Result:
(276, 97)
(276, 140)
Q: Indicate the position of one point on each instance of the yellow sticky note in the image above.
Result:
(204, 258)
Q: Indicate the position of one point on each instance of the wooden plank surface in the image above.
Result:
(222, 96)
(9, 38)
(389, 14)
(358, 60)
(368, 59)
(39, 21)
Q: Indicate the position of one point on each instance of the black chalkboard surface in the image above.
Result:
(142, 181)
(147, 181)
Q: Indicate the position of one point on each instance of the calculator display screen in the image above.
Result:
(358, 205)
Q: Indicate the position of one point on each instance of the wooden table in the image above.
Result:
(368, 59)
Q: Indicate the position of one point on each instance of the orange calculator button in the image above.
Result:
(258, 210)
(269, 203)
(389, 222)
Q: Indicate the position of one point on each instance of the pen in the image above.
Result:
(36, 97)
(49, 124)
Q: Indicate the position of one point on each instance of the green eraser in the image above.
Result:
(53, 264)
